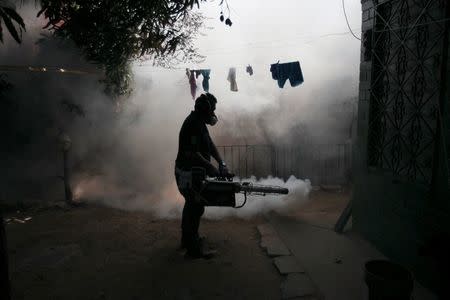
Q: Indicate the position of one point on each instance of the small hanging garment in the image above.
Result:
(205, 83)
(193, 83)
(232, 79)
(249, 70)
(283, 72)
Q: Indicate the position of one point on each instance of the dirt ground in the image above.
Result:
(96, 252)
(324, 207)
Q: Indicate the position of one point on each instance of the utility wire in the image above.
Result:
(250, 45)
(266, 44)
(348, 24)
(307, 38)
(272, 41)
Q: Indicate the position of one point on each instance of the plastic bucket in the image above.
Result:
(388, 281)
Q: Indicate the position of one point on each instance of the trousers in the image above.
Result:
(283, 72)
(190, 219)
(190, 223)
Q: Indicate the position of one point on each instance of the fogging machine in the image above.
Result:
(221, 191)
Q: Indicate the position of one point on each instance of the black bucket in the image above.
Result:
(388, 281)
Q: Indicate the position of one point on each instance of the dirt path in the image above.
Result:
(103, 253)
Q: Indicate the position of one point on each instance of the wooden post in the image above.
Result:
(67, 188)
(273, 162)
(5, 289)
(246, 160)
(64, 144)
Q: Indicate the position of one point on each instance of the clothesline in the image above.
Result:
(280, 72)
(258, 66)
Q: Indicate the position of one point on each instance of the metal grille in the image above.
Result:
(406, 56)
(322, 164)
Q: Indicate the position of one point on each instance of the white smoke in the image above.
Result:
(170, 202)
(127, 160)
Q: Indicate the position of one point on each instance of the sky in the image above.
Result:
(265, 32)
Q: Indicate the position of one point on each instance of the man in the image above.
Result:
(195, 150)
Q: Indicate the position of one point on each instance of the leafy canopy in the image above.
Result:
(113, 33)
(9, 16)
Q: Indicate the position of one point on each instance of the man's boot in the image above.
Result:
(184, 242)
(196, 250)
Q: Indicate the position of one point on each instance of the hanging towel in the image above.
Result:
(192, 83)
(205, 83)
(249, 70)
(283, 72)
(232, 79)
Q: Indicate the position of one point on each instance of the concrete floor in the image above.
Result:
(333, 261)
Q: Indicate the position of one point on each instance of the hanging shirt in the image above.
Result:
(283, 72)
(232, 79)
(192, 83)
(249, 70)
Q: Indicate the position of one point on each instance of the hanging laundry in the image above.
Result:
(283, 72)
(205, 73)
(192, 82)
(249, 70)
(232, 79)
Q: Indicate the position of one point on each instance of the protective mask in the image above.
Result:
(212, 120)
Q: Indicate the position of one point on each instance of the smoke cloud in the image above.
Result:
(171, 202)
(125, 158)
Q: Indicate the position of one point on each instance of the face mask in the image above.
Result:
(212, 120)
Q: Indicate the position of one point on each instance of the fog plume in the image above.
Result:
(124, 156)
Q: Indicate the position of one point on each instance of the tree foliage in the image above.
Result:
(113, 33)
(9, 16)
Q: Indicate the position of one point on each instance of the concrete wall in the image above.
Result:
(397, 214)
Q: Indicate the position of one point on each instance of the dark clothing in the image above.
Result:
(193, 84)
(205, 73)
(249, 70)
(232, 79)
(190, 220)
(190, 223)
(283, 72)
(194, 137)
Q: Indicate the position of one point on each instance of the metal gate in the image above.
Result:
(322, 164)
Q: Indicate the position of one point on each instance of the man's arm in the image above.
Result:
(223, 170)
(215, 153)
(199, 160)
